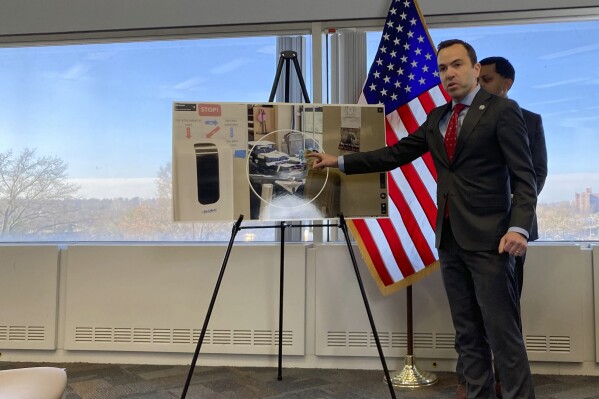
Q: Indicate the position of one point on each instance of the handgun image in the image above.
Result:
(207, 172)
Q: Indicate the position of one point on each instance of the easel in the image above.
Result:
(286, 56)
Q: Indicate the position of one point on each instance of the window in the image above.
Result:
(557, 77)
(86, 133)
(91, 126)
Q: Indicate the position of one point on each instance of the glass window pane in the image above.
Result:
(557, 77)
(86, 133)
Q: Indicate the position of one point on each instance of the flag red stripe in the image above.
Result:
(412, 226)
(421, 192)
(390, 136)
(373, 251)
(397, 248)
(427, 102)
(407, 118)
(428, 161)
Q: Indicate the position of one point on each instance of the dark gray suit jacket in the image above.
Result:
(492, 145)
(538, 149)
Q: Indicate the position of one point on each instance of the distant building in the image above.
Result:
(587, 201)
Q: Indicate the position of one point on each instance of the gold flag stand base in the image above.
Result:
(411, 377)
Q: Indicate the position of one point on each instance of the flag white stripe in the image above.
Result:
(427, 178)
(417, 210)
(418, 111)
(437, 96)
(404, 237)
(383, 246)
(397, 125)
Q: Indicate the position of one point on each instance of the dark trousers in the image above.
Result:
(519, 272)
(484, 302)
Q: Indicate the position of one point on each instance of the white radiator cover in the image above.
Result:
(148, 302)
(553, 312)
(555, 302)
(155, 299)
(28, 296)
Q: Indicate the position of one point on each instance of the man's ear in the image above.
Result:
(507, 84)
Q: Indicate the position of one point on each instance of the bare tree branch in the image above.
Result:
(32, 191)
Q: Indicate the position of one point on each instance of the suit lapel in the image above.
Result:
(477, 109)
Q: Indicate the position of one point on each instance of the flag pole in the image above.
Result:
(410, 376)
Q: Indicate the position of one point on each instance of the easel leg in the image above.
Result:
(236, 229)
(343, 226)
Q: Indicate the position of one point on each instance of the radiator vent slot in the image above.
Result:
(337, 339)
(423, 340)
(383, 338)
(559, 344)
(398, 340)
(358, 339)
(221, 337)
(263, 338)
(103, 334)
(444, 341)
(242, 337)
(536, 343)
(548, 344)
(163, 336)
(123, 335)
(182, 336)
(287, 338)
(142, 335)
(22, 333)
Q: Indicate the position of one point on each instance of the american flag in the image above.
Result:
(400, 249)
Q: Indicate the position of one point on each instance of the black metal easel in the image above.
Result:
(286, 56)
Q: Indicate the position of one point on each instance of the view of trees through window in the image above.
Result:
(85, 153)
(39, 203)
(86, 134)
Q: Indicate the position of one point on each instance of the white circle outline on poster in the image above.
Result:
(247, 170)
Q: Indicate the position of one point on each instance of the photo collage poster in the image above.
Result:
(232, 159)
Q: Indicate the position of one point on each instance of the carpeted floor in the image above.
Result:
(111, 381)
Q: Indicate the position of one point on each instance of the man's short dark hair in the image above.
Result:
(502, 66)
(468, 47)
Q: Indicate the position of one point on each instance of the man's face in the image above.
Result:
(493, 82)
(458, 75)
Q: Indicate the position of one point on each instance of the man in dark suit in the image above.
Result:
(486, 197)
(497, 76)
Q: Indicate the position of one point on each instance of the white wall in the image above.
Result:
(61, 16)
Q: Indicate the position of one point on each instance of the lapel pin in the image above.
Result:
(481, 107)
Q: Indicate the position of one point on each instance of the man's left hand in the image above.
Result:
(513, 243)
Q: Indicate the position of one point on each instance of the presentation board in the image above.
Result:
(232, 159)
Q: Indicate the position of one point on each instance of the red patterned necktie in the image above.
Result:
(451, 134)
